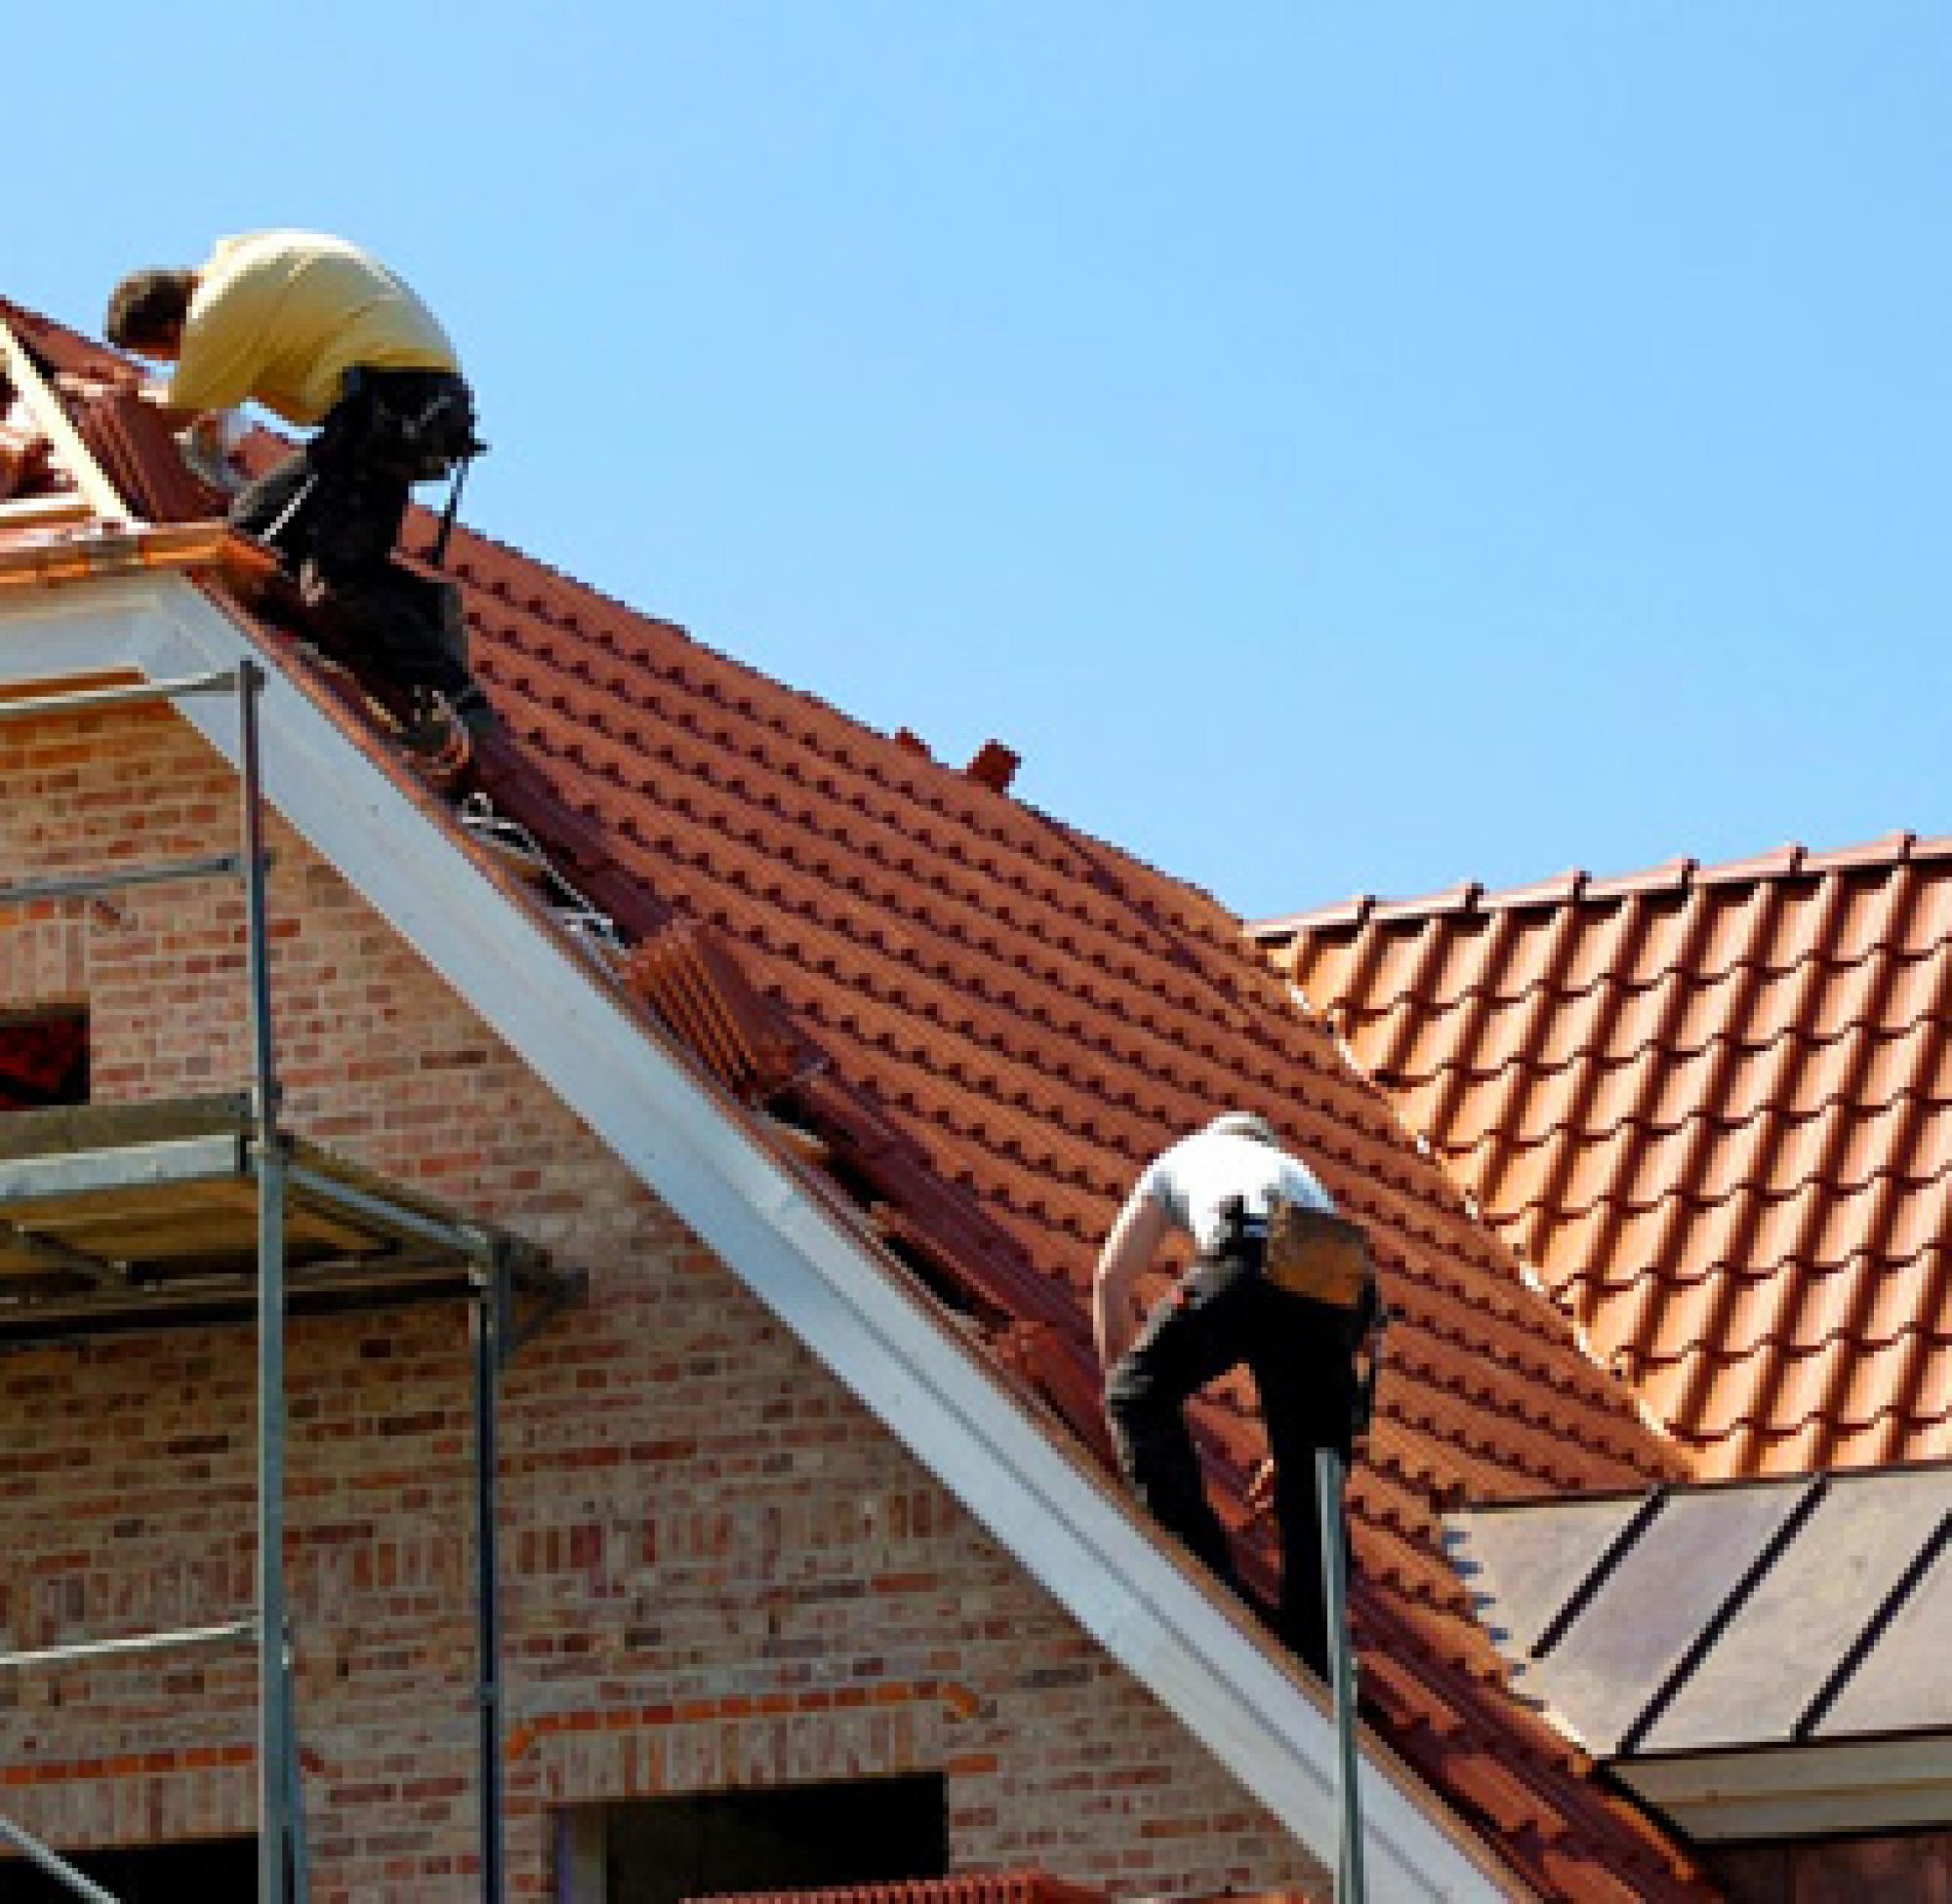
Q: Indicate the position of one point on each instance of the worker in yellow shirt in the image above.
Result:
(320, 333)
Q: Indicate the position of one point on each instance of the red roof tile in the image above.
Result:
(978, 1888)
(1713, 1105)
(988, 1022)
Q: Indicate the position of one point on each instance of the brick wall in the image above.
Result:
(719, 1570)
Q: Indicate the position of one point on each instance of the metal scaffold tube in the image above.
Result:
(1351, 1885)
(81, 700)
(295, 1184)
(276, 1726)
(488, 1329)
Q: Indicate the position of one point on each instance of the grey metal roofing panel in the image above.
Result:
(1521, 1579)
(1764, 1670)
(1638, 1627)
(1905, 1681)
(1734, 1615)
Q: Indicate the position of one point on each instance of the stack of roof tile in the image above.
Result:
(979, 1888)
(986, 1023)
(1713, 1107)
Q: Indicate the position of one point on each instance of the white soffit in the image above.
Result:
(696, 1151)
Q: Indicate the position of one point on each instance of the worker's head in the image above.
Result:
(146, 311)
(1244, 1123)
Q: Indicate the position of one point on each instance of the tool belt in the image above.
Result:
(1324, 1259)
(416, 424)
(1313, 1253)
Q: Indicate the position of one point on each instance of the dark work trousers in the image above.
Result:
(1223, 1313)
(339, 539)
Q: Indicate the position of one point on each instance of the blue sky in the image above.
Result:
(1342, 448)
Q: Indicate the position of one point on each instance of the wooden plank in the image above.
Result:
(88, 1211)
(62, 1316)
(316, 1224)
(18, 1262)
(239, 1265)
(51, 1255)
(157, 1239)
(51, 418)
(45, 511)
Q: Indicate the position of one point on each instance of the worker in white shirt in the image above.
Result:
(1219, 1186)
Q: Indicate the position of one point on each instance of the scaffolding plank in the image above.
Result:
(67, 1128)
(156, 1236)
(25, 1251)
(98, 1213)
(146, 1214)
(191, 1305)
(26, 1183)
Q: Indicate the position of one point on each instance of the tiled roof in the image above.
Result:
(1713, 1107)
(984, 1023)
(978, 1888)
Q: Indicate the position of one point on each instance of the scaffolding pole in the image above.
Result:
(488, 1331)
(275, 1726)
(282, 1868)
(1351, 1887)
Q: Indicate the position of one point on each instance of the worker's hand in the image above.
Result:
(1260, 1491)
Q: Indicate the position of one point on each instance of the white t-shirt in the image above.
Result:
(1195, 1180)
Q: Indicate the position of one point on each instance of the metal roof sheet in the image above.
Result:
(1725, 1617)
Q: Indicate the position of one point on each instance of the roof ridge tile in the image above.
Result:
(1792, 860)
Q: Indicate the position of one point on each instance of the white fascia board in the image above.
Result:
(700, 1155)
(1814, 1789)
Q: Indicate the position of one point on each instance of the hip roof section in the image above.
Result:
(1713, 1107)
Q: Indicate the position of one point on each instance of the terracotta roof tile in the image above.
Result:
(1713, 1105)
(1000, 1019)
(977, 1887)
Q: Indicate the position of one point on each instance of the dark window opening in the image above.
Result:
(791, 1838)
(43, 1060)
(223, 1871)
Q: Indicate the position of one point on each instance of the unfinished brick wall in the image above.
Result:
(718, 1570)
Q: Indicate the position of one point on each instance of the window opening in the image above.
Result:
(785, 1838)
(219, 1871)
(43, 1059)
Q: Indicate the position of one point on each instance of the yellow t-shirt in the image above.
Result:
(279, 317)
